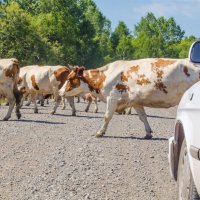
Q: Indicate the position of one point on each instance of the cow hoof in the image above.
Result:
(35, 111)
(53, 112)
(100, 134)
(86, 110)
(18, 115)
(73, 114)
(148, 137)
(5, 119)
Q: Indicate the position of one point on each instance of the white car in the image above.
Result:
(184, 147)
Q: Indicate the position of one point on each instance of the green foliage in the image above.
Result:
(157, 37)
(76, 32)
(94, 32)
(184, 46)
(17, 39)
(121, 41)
(120, 31)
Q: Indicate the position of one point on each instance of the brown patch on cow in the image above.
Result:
(156, 68)
(142, 80)
(12, 71)
(22, 90)
(160, 85)
(72, 83)
(72, 75)
(61, 75)
(95, 79)
(16, 64)
(121, 88)
(123, 77)
(19, 80)
(34, 84)
(159, 74)
(185, 70)
(162, 63)
(134, 68)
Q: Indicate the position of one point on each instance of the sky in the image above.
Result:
(185, 12)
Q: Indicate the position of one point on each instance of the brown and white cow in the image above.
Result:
(9, 75)
(41, 80)
(151, 82)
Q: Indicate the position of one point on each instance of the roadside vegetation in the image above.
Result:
(76, 32)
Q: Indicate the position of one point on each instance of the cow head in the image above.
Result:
(76, 73)
(74, 84)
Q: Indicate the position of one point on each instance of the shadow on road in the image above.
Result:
(159, 117)
(38, 121)
(80, 116)
(133, 138)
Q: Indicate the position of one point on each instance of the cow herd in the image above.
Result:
(150, 82)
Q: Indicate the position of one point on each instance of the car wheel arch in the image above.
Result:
(178, 140)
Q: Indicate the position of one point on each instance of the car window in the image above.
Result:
(195, 52)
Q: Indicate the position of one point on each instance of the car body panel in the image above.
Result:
(188, 114)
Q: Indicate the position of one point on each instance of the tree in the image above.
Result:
(120, 31)
(94, 35)
(17, 38)
(159, 35)
(121, 41)
(125, 48)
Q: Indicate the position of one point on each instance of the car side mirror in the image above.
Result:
(194, 52)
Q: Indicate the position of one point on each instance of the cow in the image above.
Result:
(149, 82)
(9, 75)
(38, 80)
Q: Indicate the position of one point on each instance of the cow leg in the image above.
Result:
(143, 117)
(41, 99)
(17, 111)
(34, 99)
(22, 101)
(18, 97)
(29, 101)
(57, 100)
(11, 99)
(63, 103)
(71, 103)
(78, 99)
(88, 106)
(96, 106)
(128, 112)
(110, 109)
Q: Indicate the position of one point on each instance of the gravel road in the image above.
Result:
(57, 157)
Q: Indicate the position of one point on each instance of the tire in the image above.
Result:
(186, 187)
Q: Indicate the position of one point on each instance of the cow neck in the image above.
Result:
(94, 78)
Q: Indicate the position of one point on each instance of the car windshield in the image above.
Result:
(195, 53)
